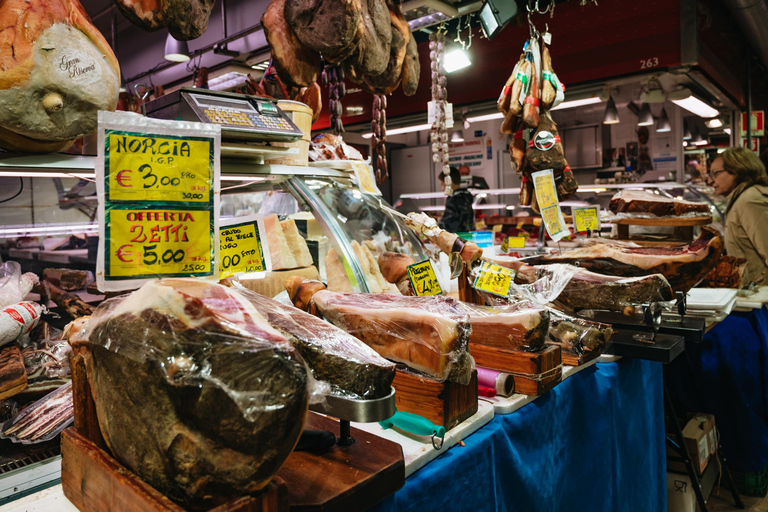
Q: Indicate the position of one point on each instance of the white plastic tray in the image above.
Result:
(710, 299)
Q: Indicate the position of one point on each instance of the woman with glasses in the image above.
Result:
(740, 175)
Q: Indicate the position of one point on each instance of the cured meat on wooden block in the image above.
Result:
(371, 56)
(589, 290)
(576, 335)
(640, 201)
(683, 265)
(428, 334)
(195, 392)
(295, 64)
(332, 28)
(349, 365)
(67, 278)
(508, 327)
(56, 73)
(13, 375)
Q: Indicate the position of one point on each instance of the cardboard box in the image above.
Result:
(680, 494)
(700, 438)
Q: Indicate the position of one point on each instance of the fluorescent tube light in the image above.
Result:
(487, 117)
(577, 103)
(406, 129)
(456, 60)
(33, 174)
(684, 99)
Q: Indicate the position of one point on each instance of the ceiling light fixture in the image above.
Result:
(714, 123)
(406, 129)
(611, 115)
(645, 118)
(685, 99)
(663, 125)
(686, 131)
(577, 103)
(455, 60)
(727, 130)
(487, 117)
(495, 14)
(457, 136)
(175, 50)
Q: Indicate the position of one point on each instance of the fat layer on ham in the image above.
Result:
(428, 334)
(641, 201)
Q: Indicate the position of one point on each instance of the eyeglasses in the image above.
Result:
(714, 174)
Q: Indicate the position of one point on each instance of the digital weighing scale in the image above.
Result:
(242, 118)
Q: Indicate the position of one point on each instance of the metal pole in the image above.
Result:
(749, 97)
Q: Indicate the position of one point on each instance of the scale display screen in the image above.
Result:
(223, 103)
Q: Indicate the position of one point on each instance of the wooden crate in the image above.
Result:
(442, 403)
(535, 373)
(574, 359)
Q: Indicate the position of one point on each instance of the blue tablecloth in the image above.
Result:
(595, 442)
(731, 367)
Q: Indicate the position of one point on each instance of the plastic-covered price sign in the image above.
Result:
(243, 246)
(586, 219)
(158, 188)
(145, 243)
(158, 168)
(494, 279)
(546, 196)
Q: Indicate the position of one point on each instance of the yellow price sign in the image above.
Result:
(494, 279)
(586, 219)
(143, 243)
(423, 279)
(513, 242)
(160, 168)
(497, 228)
(479, 225)
(241, 249)
(364, 176)
(546, 195)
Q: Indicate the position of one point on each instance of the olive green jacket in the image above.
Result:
(746, 232)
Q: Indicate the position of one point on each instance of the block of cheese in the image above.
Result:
(279, 251)
(296, 243)
(337, 277)
(373, 284)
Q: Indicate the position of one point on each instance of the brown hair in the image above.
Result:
(746, 167)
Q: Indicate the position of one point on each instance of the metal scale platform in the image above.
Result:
(249, 124)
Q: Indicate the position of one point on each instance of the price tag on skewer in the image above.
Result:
(423, 279)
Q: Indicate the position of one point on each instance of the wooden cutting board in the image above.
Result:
(344, 478)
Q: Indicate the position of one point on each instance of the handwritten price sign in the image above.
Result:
(242, 248)
(364, 176)
(494, 279)
(423, 279)
(546, 195)
(586, 219)
(149, 243)
(158, 168)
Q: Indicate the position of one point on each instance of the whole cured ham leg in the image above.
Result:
(508, 327)
(682, 265)
(56, 73)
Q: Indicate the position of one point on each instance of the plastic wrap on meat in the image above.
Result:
(576, 335)
(641, 201)
(682, 265)
(195, 392)
(508, 327)
(334, 356)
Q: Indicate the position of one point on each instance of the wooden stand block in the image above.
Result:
(442, 403)
(535, 373)
(95, 482)
(344, 478)
(573, 359)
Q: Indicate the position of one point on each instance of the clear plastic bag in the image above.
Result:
(519, 326)
(185, 370)
(14, 285)
(348, 366)
(576, 335)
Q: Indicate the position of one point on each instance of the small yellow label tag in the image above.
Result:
(423, 279)
(494, 279)
(513, 242)
(586, 219)
(497, 228)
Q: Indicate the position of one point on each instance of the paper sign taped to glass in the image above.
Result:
(158, 187)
